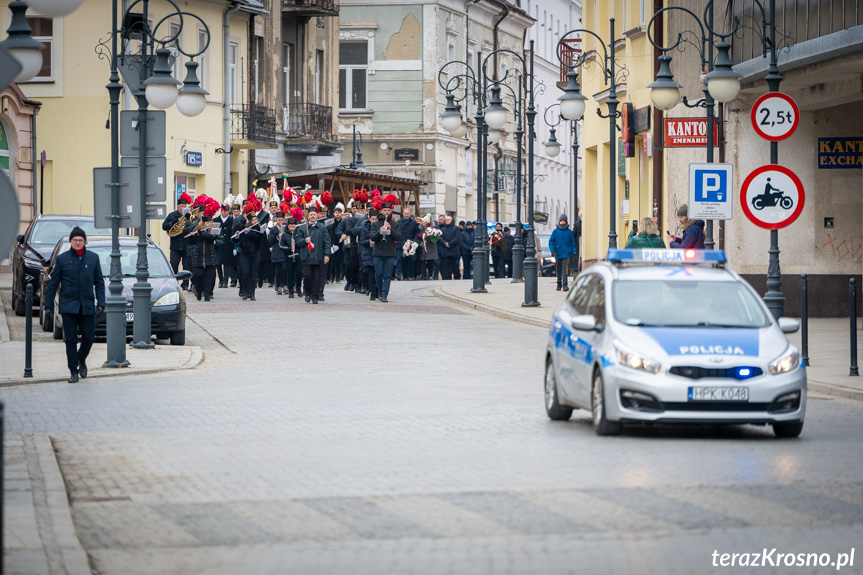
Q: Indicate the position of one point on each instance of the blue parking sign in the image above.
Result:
(710, 191)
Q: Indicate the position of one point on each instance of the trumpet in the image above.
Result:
(193, 216)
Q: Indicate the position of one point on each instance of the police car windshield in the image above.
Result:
(674, 303)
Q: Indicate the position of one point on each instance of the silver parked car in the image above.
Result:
(671, 336)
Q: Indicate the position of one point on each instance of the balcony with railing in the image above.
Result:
(311, 7)
(253, 126)
(306, 121)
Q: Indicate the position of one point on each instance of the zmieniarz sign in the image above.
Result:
(840, 153)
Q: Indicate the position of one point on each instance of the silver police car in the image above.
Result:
(671, 336)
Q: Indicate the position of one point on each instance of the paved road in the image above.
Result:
(410, 437)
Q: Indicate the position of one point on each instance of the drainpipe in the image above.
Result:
(658, 150)
(226, 144)
(36, 158)
(494, 33)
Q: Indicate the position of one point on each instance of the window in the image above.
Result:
(43, 31)
(642, 12)
(256, 65)
(319, 75)
(353, 70)
(186, 184)
(450, 50)
(177, 67)
(5, 156)
(233, 74)
(287, 55)
(203, 61)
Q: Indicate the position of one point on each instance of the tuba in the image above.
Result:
(194, 216)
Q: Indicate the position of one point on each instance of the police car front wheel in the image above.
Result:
(555, 411)
(601, 425)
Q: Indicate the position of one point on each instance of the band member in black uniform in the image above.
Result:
(292, 258)
(249, 240)
(204, 277)
(227, 254)
(219, 220)
(277, 256)
(313, 242)
(265, 263)
(178, 250)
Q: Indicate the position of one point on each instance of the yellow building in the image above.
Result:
(633, 175)
(73, 119)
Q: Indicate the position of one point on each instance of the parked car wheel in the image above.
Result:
(178, 337)
(58, 331)
(18, 303)
(791, 429)
(46, 318)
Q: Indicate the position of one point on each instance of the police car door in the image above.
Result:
(587, 343)
(565, 340)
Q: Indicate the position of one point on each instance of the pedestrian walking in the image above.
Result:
(507, 251)
(386, 234)
(562, 246)
(498, 246)
(429, 238)
(368, 259)
(468, 235)
(293, 266)
(449, 249)
(78, 273)
(204, 276)
(179, 252)
(249, 240)
(409, 229)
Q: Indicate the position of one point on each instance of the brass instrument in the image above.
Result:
(193, 216)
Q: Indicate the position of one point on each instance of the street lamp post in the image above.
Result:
(148, 76)
(357, 151)
(721, 83)
(451, 121)
(572, 105)
(552, 150)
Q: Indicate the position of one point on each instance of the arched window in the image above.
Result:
(5, 151)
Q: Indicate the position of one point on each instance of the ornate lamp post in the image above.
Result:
(572, 106)
(457, 76)
(148, 75)
(721, 84)
(357, 151)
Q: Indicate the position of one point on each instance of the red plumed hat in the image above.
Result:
(211, 208)
(307, 197)
(201, 200)
(297, 214)
(326, 198)
(392, 199)
(377, 204)
(184, 199)
(285, 208)
(364, 197)
(375, 193)
(249, 207)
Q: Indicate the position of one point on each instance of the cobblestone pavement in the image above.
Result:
(410, 437)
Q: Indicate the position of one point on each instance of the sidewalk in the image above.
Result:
(829, 351)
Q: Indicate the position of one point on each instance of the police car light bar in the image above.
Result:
(672, 256)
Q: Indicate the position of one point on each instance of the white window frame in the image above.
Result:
(51, 51)
(203, 60)
(319, 77)
(192, 191)
(177, 68)
(287, 55)
(233, 71)
(357, 33)
(4, 127)
(349, 76)
(257, 48)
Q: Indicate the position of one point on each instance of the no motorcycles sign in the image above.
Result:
(772, 196)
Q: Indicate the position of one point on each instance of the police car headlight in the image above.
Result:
(550, 259)
(632, 360)
(787, 362)
(172, 298)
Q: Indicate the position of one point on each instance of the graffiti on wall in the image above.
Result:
(849, 248)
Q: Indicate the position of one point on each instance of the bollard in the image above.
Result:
(2, 465)
(852, 288)
(804, 321)
(28, 333)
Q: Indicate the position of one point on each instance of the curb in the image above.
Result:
(196, 358)
(815, 386)
(56, 527)
(835, 390)
(438, 292)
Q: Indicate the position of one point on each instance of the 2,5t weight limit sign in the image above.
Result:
(775, 116)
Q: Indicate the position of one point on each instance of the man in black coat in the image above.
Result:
(313, 241)
(249, 246)
(449, 248)
(467, 238)
(507, 252)
(178, 249)
(227, 255)
(385, 234)
(80, 273)
(204, 276)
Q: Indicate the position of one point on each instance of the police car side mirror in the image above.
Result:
(788, 325)
(584, 323)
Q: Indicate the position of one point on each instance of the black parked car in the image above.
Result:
(33, 252)
(168, 315)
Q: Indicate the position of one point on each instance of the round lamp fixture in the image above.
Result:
(460, 131)
(494, 135)
(54, 8)
(161, 88)
(552, 146)
(495, 113)
(664, 92)
(723, 82)
(450, 120)
(572, 103)
(192, 99)
(21, 45)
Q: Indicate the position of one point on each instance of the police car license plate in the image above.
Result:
(718, 394)
(130, 316)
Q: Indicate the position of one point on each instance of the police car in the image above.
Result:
(671, 336)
